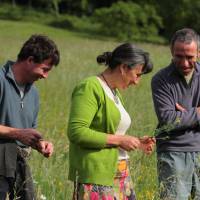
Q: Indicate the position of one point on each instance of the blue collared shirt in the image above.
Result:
(15, 112)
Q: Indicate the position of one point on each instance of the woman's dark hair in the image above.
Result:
(40, 47)
(128, 54)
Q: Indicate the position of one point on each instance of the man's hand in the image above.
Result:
(198, 110)
(29, 137)
(45, 148)
(180, 108)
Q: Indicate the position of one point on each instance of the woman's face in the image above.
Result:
(130, 76)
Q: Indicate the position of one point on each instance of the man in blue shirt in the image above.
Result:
(19, 105)
(176, 96)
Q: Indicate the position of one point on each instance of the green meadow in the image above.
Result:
(78, 60)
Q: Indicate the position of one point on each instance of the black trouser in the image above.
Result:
(6, 188)
(24, 182)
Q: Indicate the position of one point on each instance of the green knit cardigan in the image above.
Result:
(93, 114)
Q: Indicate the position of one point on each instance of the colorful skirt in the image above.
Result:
(122, 189)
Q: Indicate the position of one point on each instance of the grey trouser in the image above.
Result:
(6, 188)
(20, 186)
(179, 175)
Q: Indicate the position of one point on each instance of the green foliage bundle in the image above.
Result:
(129, 21)
(22, 13)
(185, 13)
(146, 20)
(125, 21)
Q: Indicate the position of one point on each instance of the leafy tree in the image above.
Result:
(55, 4)
(13, 3)
(179, 14)
(128, 20)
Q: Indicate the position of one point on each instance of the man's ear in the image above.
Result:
(30, 59)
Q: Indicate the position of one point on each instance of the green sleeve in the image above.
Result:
(83, 109)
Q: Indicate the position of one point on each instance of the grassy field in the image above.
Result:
(78, 60)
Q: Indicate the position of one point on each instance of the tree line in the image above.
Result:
(141, 17)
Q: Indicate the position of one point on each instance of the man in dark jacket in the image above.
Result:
(19, 105)
(176, 95)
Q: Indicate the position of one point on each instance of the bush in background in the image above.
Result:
(129, 21)
(125, 21)
(184, 14)
(23, 13)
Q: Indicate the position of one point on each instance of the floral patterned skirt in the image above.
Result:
(122, 189)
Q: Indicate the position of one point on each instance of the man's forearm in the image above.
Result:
(27, 136)
(9, 132)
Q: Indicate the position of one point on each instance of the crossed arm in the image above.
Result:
(171, 112)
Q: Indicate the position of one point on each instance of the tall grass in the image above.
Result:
(78, 60)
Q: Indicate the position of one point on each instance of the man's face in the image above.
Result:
(36, 71)
(185, 56)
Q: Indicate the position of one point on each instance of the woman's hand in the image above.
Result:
(147, 144)
(125, 142)
(129, 143)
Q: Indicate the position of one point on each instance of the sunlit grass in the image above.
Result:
(78, 60)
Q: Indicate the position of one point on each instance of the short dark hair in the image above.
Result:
(40, 47)
(185, 35)
(128, 54)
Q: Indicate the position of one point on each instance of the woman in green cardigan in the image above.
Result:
(98, 159)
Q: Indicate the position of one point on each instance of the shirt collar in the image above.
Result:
(8, 70)
(195, 73)
(9, 74)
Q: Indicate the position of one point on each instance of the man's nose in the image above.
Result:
(184, 62)
(45, 75)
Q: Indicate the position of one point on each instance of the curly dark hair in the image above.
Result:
(40, 47)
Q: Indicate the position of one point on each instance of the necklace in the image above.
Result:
(115, 97)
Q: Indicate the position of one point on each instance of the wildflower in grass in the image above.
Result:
(42, 197)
